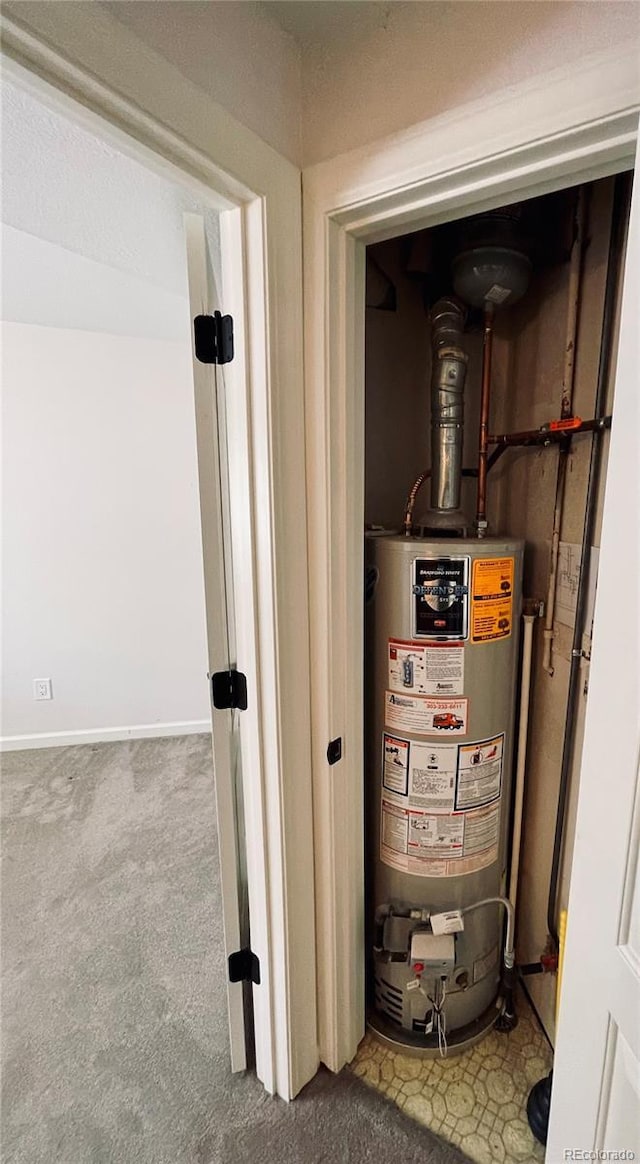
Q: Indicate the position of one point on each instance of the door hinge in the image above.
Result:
(213, 338)
(244, 966)
(229, 689)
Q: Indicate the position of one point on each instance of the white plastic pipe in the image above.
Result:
(521, 759)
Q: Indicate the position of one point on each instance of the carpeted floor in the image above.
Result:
(114, 1023)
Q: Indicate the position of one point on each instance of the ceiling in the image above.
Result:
(91, 237)
(324, 22)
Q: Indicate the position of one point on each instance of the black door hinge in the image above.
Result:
(229, 689)
(334, 750)
(213, 337)
(244, 966)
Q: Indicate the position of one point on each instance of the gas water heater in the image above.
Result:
(442, 655)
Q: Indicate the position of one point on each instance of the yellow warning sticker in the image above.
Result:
(491, 599)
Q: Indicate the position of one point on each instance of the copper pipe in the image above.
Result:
(547, 435)
(566, 405)
(483, 439)
(574, 296)
(411, 500)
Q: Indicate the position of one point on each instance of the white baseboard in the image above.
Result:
(140, 731)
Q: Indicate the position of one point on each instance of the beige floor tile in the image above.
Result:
(476, 1100)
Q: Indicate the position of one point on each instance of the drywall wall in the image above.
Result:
(398, 385)
(64, 184)
(102, 586)
(316, 80)
(235, 53)
(397, 362)
(102, 565)
(409, 62)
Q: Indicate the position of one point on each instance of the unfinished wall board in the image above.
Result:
(398, 368)
(527, 391)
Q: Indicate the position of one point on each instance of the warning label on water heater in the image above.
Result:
(479, 772)
(440, 805)
(491, 599)
(426, 669)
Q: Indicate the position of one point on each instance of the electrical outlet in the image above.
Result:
(42, 689)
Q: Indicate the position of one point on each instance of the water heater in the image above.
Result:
(442, 645)
(442, 650)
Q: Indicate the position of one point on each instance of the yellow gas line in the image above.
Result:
(562, 930)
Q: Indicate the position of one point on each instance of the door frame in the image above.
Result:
(156, 116)
(601, 967)
(570, 126)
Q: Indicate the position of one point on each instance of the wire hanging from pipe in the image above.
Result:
(483, 435)
(568, 380)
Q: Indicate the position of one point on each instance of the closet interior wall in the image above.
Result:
(526, 393)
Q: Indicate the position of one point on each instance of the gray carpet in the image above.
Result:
(114, 1024)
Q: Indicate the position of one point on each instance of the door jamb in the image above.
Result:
(261, 277)
(565, 128)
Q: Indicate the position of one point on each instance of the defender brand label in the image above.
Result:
(491, 599)
(441, 598)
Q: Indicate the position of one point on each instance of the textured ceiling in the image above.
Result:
(68, 188)
(325, 22)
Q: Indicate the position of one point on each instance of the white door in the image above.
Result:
(210, 413)
(596, 1093)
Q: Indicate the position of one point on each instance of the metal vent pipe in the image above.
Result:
(448, 374)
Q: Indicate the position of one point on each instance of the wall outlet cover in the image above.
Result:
(42, 689)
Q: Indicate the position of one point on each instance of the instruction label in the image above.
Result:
(395, 765)
(436, 836)
(433, 669)
(491, 599)
(432, 776)
(440, 805)
(479, 773)
(425, 716)
(395, 823)
(427, 845)
(419, 775)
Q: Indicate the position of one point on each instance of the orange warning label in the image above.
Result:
(491, 599)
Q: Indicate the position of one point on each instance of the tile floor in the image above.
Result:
(476, 1100)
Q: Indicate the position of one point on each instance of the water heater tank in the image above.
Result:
(442, 648)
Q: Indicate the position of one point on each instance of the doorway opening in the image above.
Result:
(106, 527)
(483, 499)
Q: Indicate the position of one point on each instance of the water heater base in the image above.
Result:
(421, 1047)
